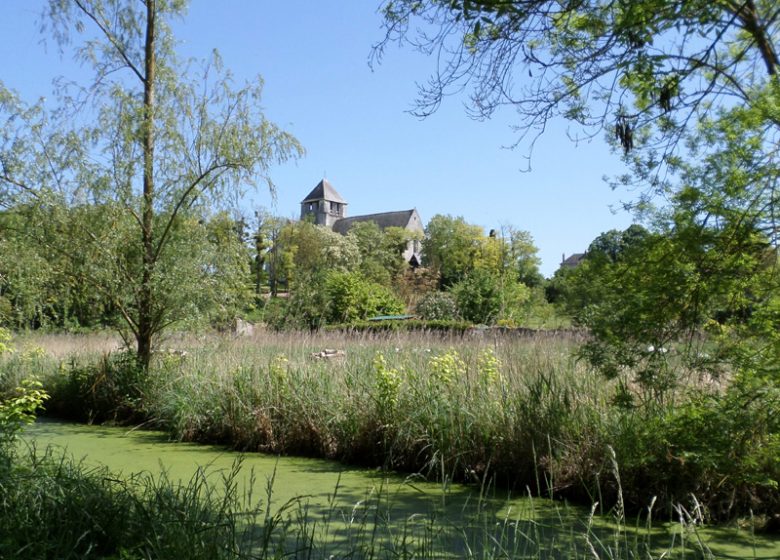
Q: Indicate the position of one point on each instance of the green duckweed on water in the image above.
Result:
(342, 506)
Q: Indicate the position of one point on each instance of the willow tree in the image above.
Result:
(152, 139)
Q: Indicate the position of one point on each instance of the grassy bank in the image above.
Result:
(519, 412)
(53, 507)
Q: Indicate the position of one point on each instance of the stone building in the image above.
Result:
(327, 208)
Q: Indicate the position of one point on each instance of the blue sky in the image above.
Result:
(354, 124)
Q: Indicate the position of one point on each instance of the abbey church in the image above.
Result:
(325, 207)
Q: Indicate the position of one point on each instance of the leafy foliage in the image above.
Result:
(304, 308)
(165, 140)
(381, 251)
(484, 297)
(18, 406)
(519, 256)
(51, 280)
(454, 248)
(304, 250)
(331, 297)
(734, 434)
(438, 306)
(351, 297)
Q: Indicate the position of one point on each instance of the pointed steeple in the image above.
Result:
(324, 191)
(324, 203)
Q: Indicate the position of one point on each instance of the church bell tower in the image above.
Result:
(324, 204)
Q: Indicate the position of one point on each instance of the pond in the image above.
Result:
(347, 504)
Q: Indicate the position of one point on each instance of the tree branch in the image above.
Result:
(112, 39)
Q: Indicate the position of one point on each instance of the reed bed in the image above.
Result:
(520, 412)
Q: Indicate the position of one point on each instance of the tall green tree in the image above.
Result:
(519, 256)
(699, 294)
(454, 248)
(304, 249)
(614, 245)
(484, 296)
(269, 254)
(166, 137)
(381, 251)
(225, 268)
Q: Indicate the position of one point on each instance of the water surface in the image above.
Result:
(355, 503)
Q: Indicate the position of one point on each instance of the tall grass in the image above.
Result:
(52, 507)
(520, 412)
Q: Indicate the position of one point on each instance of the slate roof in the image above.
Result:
(382, 219)
(573, 260)
(324, 191)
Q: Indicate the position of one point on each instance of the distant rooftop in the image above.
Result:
(572, 260)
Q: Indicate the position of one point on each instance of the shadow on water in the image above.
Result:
(323, 505)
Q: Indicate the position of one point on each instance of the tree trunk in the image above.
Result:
(757, 29)
(146, 325)
(259, 263)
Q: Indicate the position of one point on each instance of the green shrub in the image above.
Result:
(304, 308)
(18, 405)
(275, 313)
(17, 409)
(438, 306)
(351, 297)
(484, 297)
(722, 449)
(335, 297)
